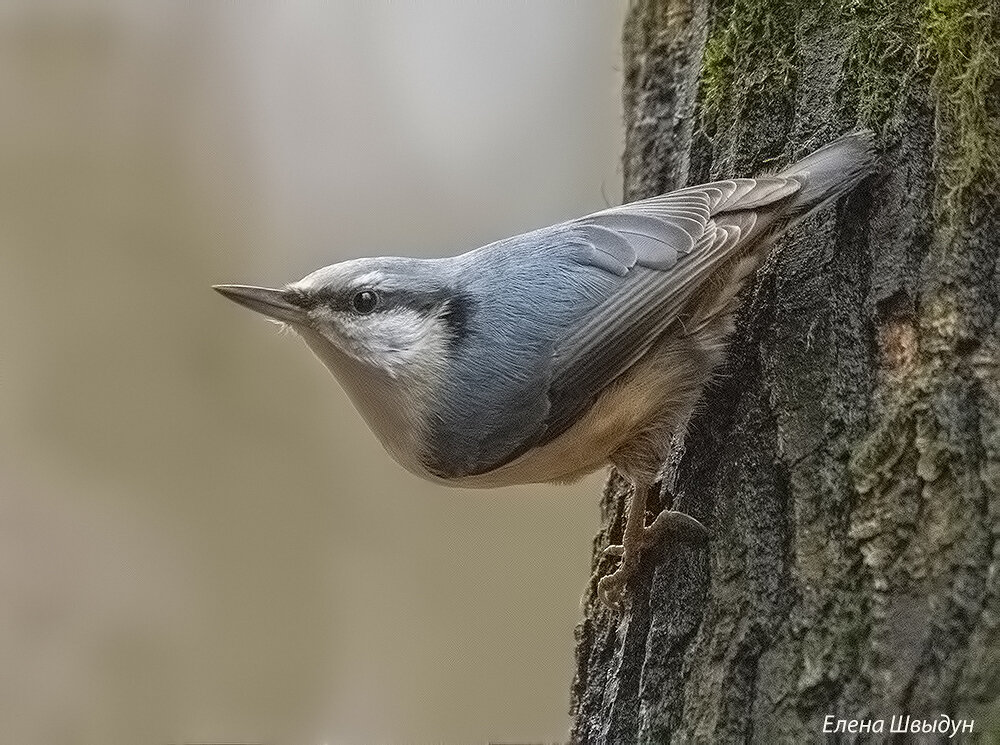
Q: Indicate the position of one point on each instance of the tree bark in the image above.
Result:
(847, 457)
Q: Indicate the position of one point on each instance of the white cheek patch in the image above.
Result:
(401, 342)
(399, 339)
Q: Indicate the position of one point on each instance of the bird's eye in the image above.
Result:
(365, 301)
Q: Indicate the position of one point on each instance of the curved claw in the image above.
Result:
(612, 552)
(681, 524)
(611, 590)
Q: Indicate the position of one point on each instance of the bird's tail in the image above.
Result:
(831, 171)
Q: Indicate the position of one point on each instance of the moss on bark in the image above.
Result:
(962, 39)
(750, 51)
(751, 48)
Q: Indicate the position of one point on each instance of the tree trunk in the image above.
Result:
(847, 457)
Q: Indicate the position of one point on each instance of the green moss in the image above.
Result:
(750, 41)
(882, 59)
(954, 45)
(962, 37)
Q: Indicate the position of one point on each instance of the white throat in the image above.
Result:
(392, 379)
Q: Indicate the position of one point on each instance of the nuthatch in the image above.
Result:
(552, 354)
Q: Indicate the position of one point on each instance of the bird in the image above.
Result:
(559, 352)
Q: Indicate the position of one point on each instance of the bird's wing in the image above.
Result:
(664, 248)
(613, 282)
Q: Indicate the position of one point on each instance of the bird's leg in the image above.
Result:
(611, 589)
(636, 537)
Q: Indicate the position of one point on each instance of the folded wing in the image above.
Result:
(668, 246)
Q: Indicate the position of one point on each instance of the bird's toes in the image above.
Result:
(611, 591)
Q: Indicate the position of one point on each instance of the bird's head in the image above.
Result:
(394, 315)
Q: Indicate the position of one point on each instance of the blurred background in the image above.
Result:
(200, 541)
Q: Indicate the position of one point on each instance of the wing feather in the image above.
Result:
(764, 191)
(607, 249)
(680, 239)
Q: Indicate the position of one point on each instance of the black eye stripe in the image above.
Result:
(455, 307)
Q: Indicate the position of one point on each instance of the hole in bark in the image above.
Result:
(897, 333)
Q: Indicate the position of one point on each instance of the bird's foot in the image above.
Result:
(611, 588)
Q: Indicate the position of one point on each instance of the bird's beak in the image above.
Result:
(271, 303)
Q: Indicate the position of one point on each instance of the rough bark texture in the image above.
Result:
(847, 458)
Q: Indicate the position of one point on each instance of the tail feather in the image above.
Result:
(832, 171)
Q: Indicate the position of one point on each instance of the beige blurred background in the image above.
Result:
(200, 541)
